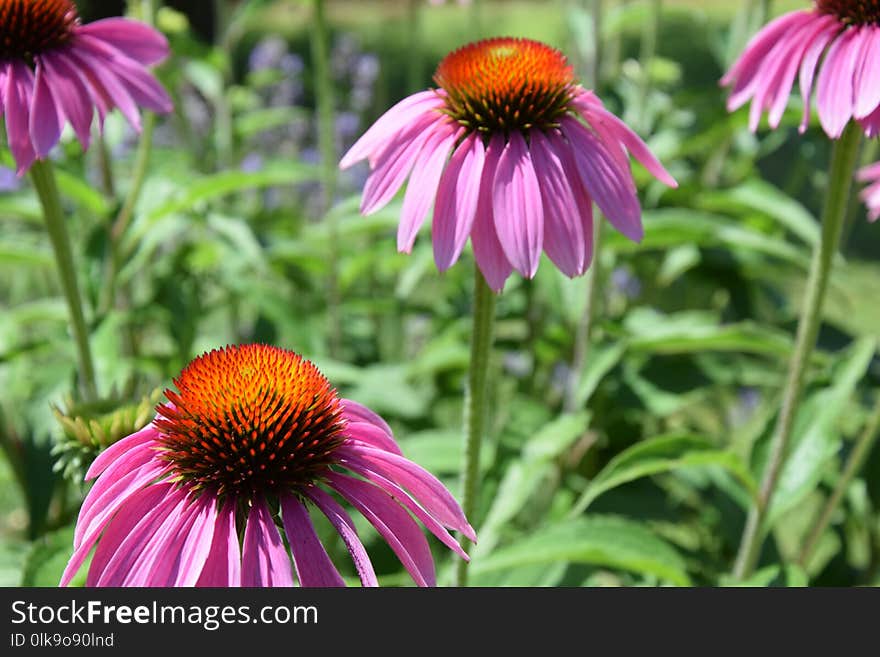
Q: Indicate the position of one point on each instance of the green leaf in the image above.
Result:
(760, 196)
(697, 332)
(817, 433)
(221, 184)
(554, 438)
(762, 578)
(596, 540)
(82, 193)
(663, 454)
(48, 557)
(603, 358)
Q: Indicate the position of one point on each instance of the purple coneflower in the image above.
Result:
(253, 438)
(847, 33)
(53, 71)
(530, 150)
(871, 194)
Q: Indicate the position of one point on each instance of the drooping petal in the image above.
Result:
(148, 434)
(344, 525)
(19, 85)
(264, 560)
(370, 434)
(619, 131)
(745, 72)
(867, 81)
(73, 95)
(353, 411)
(456, 204)
(138, 506)
(137, 40)
(223, 564)
(488, 252)
(408, 111)
(396, 161)
(516, 200)
(834, 96)
(364, 469)
(609, 186)
(423, 182)
(393, 523)
(107, 90)
(134, 470)
(197, 544)
(313, 565)
(808, 66)
(563, 232)
(127, 536)
(428, 491)
(46, 118)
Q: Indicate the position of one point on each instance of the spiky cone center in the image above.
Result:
(31, 27)
(504, 84)
(250, 420)
(852, 12)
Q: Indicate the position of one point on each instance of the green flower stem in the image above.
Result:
(853, 465)
(594, 71)
(475, 402)
(584, 328)
(108, 185)
(327, 147)
(43, 178)
(123, 219)
(843, 164)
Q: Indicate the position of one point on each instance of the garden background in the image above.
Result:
(629, 458)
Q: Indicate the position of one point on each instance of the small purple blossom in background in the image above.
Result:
(254, 438)
(835, 45)
(267, 54)
(54, 70)
(525, 166)
(9, 181)
(871, 194)
(625, 282)
(252, 163)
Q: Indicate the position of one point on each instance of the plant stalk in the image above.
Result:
(43, 178)
(475, 406)
(843, 163)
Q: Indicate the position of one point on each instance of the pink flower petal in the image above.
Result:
(148, 434)
(313, 565)
(126, 537)
(17, 102)
(197, 543)
(136, 40)
(363, 468)
(371, 435)
(345, 526)
(223, 564)
(46, 119)
(423, 182)
(72, 94)
(809, 64)
(137, 507)
(563, 232)
(519, 215)
(264, 560)
(456, 202)
(396, 161)
(355, 412)
(393, 523)
(611, 187)
(745, 72)
(619, 131)
(867, 81)
(488, 252)
(835, 91)
(408, 111)
(107, 89)
(428, 491)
